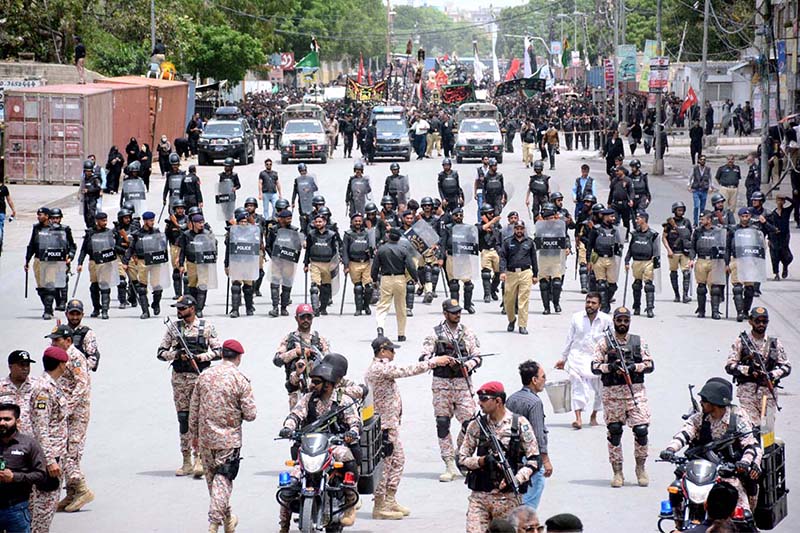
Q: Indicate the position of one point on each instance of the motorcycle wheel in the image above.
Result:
(670, 527)
(308, 512)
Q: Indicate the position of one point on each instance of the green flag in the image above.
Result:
(565, 54)
(311, 60)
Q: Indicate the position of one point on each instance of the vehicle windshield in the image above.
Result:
(395, 126)
(478, 126)
(220, 128)
(302, 127)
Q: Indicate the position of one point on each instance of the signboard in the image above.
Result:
(528, 84)
(649, 53)
(457, 94)
(659, 74)
(287, 60)
(13, 83)
(365, 93)
(275, 75)
(626, 55)
(555, 48)
(608, 67)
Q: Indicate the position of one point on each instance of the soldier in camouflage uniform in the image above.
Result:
(381, 377)
(490, 497)
(620, 405)
(49, 411)
(750, 377)
(300, 345)
(451, 385)
(16, 387)
(222, 398)
(83, 337)
(77, 387)
(201, 338)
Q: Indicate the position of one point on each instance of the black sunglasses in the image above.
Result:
(316, 382)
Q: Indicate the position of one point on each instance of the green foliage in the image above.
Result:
(113, 57)
(223, 53)
(412, 21)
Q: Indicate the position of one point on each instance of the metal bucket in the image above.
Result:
(560, 394)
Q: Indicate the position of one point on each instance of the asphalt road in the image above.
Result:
(132, 448)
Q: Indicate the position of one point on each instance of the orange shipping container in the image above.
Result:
(51, 129)
(130, 114)
(167, 106)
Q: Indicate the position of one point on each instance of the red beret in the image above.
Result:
(54, 352)
(233, 345)
(493, 387)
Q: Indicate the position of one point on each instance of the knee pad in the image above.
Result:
(649, 287)
(486, 275)
(583, 270)
(410, 285)
(183, 422)
(453, 285)
(614, 433)
(358, 288)
(557, 283)
(637, 285)
(738, 289)
(442, 426)
(602, 285)
(544, 284)
(314, 288)
(716, 290)
(435, 270)
(236, 288)
(702, 289)
(640, 434)
(468, 285)
(176, 275)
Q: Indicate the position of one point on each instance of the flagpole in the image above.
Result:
(658, 163)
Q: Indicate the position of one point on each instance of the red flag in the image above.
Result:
(513, 69)
(691, 99)
(360, 69)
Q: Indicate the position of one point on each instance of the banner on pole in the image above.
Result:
(365, 93)
(457, 94)
(649, 53)
(626, 55)
(528, 84)
(659, 74)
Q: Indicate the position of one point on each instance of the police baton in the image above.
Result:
(161, 213)
(344, 293)
(77, 281)
(305, 292)
(727, 295)
(625, 289)
(227, 294)
(26, 283)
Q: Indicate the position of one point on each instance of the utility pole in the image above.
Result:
(658, 162)
(764, 44)
(616, 63)
(389, 30)
(152, 24)
(704, 74)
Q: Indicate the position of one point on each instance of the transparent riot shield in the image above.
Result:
(751, 265)
(372, 236)
(399, 188)
(174, 182)
(225, 199)
(133, 191)
(156, 261)
(718, 276)
(306, 187)
(205, 253)
(464, 250)
(359, 190)
(105, 260)
(244, 247)
(335, 271)
(551, 247)
(285, 256)
(422, 236)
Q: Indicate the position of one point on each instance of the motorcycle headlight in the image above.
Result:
(313, 463)
(698, 493)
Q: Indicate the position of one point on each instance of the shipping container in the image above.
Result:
(130, 114)
(167, 106)
(51, 129)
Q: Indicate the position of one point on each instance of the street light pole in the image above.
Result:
(152, 24)
(616, 63)
(658, 162)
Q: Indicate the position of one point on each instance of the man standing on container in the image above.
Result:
(80, 60)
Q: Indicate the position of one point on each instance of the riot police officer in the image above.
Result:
(494, 190)
(645, 251)
(243, 252)
(677, 240)
(173, 185)
(198, 259)
(305, 185)
(149, 247)
(606, 242)
(450, 190)
(175, 225)
(557, 199)
(33, 251)
(721, 216)
(583, 226)
(396, 186)
(357, 252)
(71, 248)
(98, 244)
(283, 245)
(91, 192)
(191, 192)
(259, 221)
(746, 246)
(641, 187)
(322, 247)
(123, 228)
(621, 196)
(449, 249)
(708, 259)
(490, 238)
(388, 214)
(538, 189)
(358, 190)
(134, 190)
(552, 247)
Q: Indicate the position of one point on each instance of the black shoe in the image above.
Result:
(511, 325)
(284, 311)
(715, 315)
(234, 314)
(546, 311)
(380, 332)
(323, 311)
(95, 314)
(557, 308)
(756, 294)
(428, 298)
(785, 273)
(471, 309)
(487, 298)
(686, 299)
(47, 316)
(358, 313)
(367, 310)
(156, 309)
(523, 331)
(257, 293)
(198, 314)
(650, 313)
(145, 315)
(495, 297)
(274, 312)
(409, 312)
(104, 315)
(401, 338)
(636, 311)
(249, 311)
(677, 299)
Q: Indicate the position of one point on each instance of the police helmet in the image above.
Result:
(55, 212)
(596, 208)
(589, 198)
(323, 371)
(339, 364)
(134, 167)
(548, 211)
(228, 162)
(281, 204)
(178, 203)
(678, 205)
(757, 196)
(123, 213)
(550, 206)
(427, 200)
(717, 198)
(538, 165)
(194, 211)
(556, 196)
(437, 203)
(487, 208)
(387, 200)
(370, 208)
(493, 162)
(635, 163)
(129, 206)
(301, 167)
(324, 211)
(88, 165)
(717, 391)
(394, 166)
(446, 161)
(174, 159)
(318, 199)
(358, 165)
(239, 211)
(251, 200)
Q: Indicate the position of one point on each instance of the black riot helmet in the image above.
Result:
(251, 200)
(538, 165)
(589, 198)
(174, 159)
(281, 204)
(358, 165)
(55, 212)
(194, 211)
(122, 213)
(556, 196)
(178, 203)
(318, 200)
(678, 205)
(324, 211)
(757, 196)
(387, 200)
(135, 166)
(88, 165)
(446, 162)
(301, 167)
(370, 208)
(486, 209)
(717, 198)
(717, 391)
(338, 362)
(394, 166)
(635, 163)
(228, 162)
(596, 208)
(324, 372)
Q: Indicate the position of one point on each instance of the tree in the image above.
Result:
(223, 53)
(438, 34)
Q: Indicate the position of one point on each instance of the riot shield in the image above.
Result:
(751, 265)
(285, 256)
(105, 260)
(174, 184)
(336, 278)
(306, 187)
(359, 190)
(225, 199)
(244, 247)
(133, 191)
(422, 236)
(52, 245)
(156, 261)
(398, 187)
(205, 253)
(372, 236)
(718, 275)
(464, 250)
(551, 247)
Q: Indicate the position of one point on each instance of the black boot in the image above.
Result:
(583, 273)
(94, 293)
(325, 291)
(105, 303)
(286, 293)
(185, 283)
(156, 307)
(435, 272)
(132, 293)
(410, 298)
(555, 293)
(201, 302)
(142, 293)
(249, 291)
(236, 300)
(602, 288)
(637, 296)
(544, 290)
(61, 299)
(716, 298)
(47, 303)
(454, 289)
(687, 281)
(176, 284)
(468, 288)
(275, 294)
(749, 292)
(673, 279)
(374, 295)
(358, 297)
(612, 290)
(486, 279)
(757, 288)
(593, 282)
(122, 294)
(315, 298)
(257, 286)
(701, 300)
(738, 301)
(369, 289)
(650, 298)
(495, 286)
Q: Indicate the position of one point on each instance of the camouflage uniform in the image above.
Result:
(221, 399)
(48, 411)
(88, 347)
(77, 387)
(381, 375)
(451, 396)
(751, 450)
(287, 354)
(749, 391)
(486, 506)
(183, 382)
(10, 393)
(618, 406)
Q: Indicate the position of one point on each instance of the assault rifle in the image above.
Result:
(497, 453)
(175, 332)
(760, 365)
(614, 345)
(695, 407)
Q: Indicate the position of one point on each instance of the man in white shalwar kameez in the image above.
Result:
(585, 330)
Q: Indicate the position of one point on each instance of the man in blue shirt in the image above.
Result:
(584, 185)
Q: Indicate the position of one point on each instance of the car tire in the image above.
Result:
(324, 159)
(407, 158)
(284, 160)
(243, 157)
(202, 159)
(459, 159)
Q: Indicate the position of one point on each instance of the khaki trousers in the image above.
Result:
(393, 288)
(518, 290)
(731, 195)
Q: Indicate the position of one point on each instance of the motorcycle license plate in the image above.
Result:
(309, 491)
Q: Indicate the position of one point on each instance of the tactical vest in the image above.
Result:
(639, 184)
(449, 183)
(680, 236)
(321, 248)
(730, 454)
(631, 353)
(641, 247)
(359, 246)
(493, 186)
(444, 346)
(488, 477)
(538, 184)
(706, 245)
(78, 336)
(197, 345)
(291, 344)
(606, 244)
(336, 425)
(392, 188)
(770, 361)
